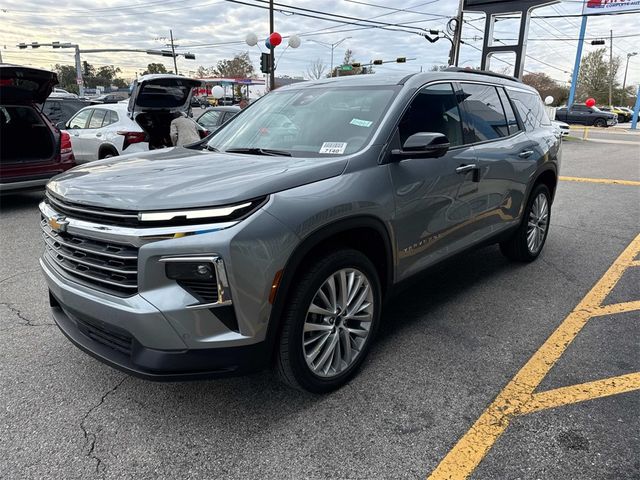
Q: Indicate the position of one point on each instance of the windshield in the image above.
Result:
(312, 122)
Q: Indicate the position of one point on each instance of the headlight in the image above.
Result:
(201, 215)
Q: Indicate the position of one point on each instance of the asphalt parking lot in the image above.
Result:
(463, 380)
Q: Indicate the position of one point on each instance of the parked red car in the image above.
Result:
(32, 149)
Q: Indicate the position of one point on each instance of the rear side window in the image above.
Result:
(80, 120)
(484, 113)
(434, 109)
(530, 109)
(510, 115)
(110, 118)
(97, 118)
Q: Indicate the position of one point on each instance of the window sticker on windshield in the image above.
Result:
(335, 148)
(361, 123)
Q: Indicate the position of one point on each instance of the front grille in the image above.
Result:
(105, 265)
(106, 336)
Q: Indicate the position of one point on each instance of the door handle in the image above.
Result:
(466, 168)
(98, 134)
(525, 154)
(76, 134)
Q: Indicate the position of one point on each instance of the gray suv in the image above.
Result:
(274, 241)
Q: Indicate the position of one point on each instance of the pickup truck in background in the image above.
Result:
(580, 113)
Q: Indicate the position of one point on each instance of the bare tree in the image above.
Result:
(316, 69)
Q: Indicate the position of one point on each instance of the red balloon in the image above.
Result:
(275, 39)
(590, 102)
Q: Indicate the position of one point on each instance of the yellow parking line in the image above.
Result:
(617, 308)
(601, 180)
(514, 399)
(585, 391)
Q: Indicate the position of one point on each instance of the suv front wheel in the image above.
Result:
(329, 322)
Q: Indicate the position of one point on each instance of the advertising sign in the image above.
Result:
(604, 7)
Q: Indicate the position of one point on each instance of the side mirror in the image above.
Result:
(61, 125)
(423, 144)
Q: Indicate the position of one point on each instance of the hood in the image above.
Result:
(161, 92)
(25, 85)
(179, 177)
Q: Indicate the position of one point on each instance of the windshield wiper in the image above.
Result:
(260, 151)
(212, 149)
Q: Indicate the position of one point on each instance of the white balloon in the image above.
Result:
(294, 41)
(252, 39)
(217, 92)
(548, 100)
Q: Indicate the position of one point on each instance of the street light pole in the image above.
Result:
(624, 82)
(332, 46)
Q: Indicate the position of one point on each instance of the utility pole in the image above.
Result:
(610, 67)
(454, 53)
(272, 75)
(173, 51)
(79, 72)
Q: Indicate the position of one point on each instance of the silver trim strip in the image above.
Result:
(224, 293)
(191, 214)
(129, 235)
(88, 250)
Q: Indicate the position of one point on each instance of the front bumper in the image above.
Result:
(116, 347)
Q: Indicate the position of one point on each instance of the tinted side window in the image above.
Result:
(484, 113)
(434, 109)
(530, 109)
(80, 120)
(512, 122)
(97, 118)
(580, 108)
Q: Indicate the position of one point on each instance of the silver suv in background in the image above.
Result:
(276, 240)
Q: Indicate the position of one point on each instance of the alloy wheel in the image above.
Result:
(338, 322)
(538, 223)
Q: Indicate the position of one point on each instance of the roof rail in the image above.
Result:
(481, 72)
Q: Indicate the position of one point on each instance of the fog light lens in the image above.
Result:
(190, 271)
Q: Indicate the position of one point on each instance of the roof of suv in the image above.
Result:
(418, 78)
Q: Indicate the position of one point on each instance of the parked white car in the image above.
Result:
(102, 131)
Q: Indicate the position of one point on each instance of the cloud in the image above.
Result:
(215, 29)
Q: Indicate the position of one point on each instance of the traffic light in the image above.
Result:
(597, 42)
(377, 62)
(401, 60)
(265, 63)
(190, 56)
(355, 65)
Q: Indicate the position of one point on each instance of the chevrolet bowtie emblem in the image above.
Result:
(58, 223)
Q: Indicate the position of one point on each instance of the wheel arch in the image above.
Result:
(107, 148)
(548, 177)
(367, 234)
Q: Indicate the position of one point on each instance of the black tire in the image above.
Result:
(600, 122)
(291, 365)
(516, 248)
(107, 154)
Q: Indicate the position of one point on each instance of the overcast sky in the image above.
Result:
(144, 23)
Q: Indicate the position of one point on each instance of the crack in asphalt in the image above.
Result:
(90, 438)
(27, 321)
(17, 275)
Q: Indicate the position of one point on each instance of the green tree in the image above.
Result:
(594, 77)
(239, 66)
(155, 68)
(204, 72)
(67, 77)
(348, 60)
(547, 86)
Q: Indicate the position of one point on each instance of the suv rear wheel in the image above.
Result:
(526, 243)
(329, 322)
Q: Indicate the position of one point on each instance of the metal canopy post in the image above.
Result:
(576, 66)
(495, 8)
